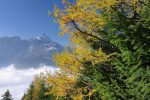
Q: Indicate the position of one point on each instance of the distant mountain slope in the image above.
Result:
(27, 53)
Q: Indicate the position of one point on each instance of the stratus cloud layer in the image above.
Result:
(17, 81)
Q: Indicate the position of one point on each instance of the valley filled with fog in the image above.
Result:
(18, 80)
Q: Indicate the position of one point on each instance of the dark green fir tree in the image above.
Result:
(7, 96)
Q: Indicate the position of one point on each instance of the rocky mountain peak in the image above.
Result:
(27, 53)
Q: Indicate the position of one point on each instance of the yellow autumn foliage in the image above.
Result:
(80, 20)
(61, 83)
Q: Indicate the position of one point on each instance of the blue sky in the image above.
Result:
(29, 18)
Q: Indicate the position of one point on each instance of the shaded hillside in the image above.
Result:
(27, 53)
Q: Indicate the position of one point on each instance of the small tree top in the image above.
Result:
(7, 96)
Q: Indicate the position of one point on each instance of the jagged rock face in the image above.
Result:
(27, 53)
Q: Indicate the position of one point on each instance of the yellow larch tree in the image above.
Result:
(83, 21)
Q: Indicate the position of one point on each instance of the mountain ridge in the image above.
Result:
(27, 53)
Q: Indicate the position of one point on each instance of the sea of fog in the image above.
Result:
(17, 81)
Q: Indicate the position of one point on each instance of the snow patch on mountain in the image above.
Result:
(51, 48)
(38, 38)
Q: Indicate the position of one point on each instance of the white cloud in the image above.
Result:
(17, 81)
